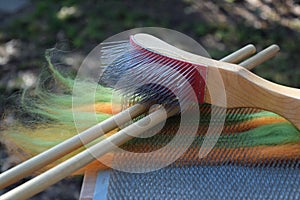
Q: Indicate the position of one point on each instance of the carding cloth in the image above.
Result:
(257, 156)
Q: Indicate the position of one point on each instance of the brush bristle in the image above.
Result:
(145, 75)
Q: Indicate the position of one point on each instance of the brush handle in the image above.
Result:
(245, 89)
(241, 87)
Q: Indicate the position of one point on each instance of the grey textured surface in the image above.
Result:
(276, 181)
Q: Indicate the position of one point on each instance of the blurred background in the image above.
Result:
(29, 27)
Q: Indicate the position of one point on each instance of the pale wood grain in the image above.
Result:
(245, 89)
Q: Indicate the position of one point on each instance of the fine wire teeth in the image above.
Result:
(111, 48)
(115, 42)
(142, 75)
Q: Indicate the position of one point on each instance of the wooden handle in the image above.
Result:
(245, 89)
(28, 167)
(242, 88)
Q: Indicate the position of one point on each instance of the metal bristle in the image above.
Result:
(146, 76)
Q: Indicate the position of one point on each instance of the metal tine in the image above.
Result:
(114, 42)
(137, 69)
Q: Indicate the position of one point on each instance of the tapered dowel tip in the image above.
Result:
(240, 54)
(261, 57)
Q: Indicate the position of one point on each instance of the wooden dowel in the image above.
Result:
(260, 57)
(41, 182)
(240, 54)
(28, 167)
